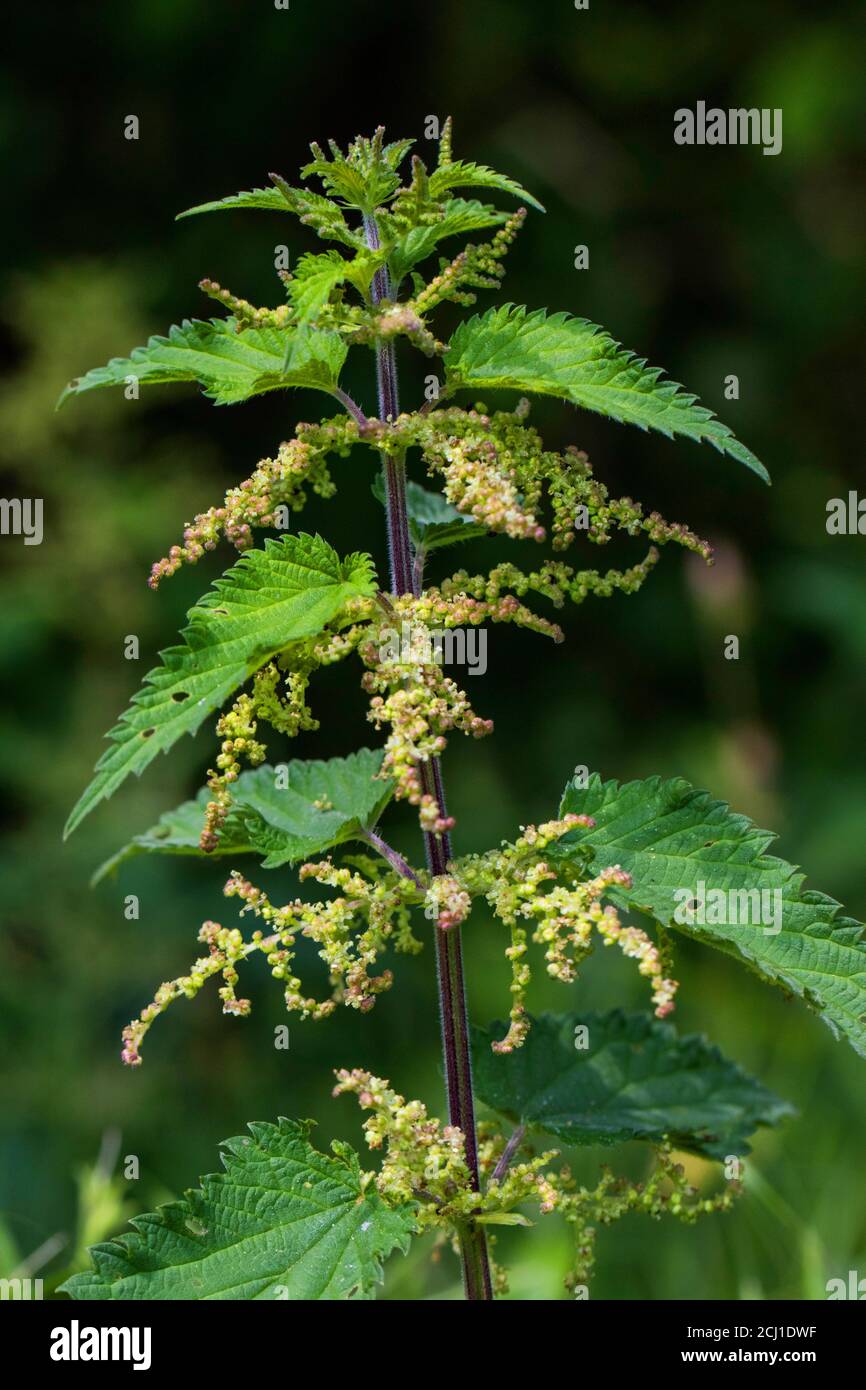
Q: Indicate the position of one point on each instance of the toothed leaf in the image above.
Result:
(230, 366)
(681, 847)
(323, 804)
(316, 277)
(269, 199)
(283, 1221)
(634, 1079)
(270, 598)
(557, 355)
(463, 174)
(459, 216)
(286, 816)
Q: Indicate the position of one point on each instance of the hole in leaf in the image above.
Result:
(179, 695)
(147, 733)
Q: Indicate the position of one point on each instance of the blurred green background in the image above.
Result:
(709, 261)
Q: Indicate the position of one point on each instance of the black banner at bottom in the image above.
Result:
(84, 1339)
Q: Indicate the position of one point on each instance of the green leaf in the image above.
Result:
(363, 178)
(230, 366)
(314, 210)
(178, 832)
(270, 199)
(323, 804)
(290, 590)
(459, 216)
(314, 280)
(557, 355)
(433, 522)
(283, 1221)
(462, 174)
(673, 839)
(502, 1218)
(317, 276)
(316, 806)
(636, 1079)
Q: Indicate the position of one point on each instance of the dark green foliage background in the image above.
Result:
(710, 261)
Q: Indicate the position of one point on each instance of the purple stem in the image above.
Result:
(351, 406)
(396, 860)
(449, 948)
(514, 1142)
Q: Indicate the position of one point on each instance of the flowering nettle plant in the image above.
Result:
(613, 864)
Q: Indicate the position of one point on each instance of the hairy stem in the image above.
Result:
(350, 406)
(396, 860)
(394, 469)
(449, 946)
(515, 1140)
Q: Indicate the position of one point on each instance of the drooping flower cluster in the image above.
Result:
(422, 1158)
(420, 705)
(666, 1192)
(351, 932)
(475, 267)
(278, 482)
(493, 467)
(521, 885)
(226, 947)
(237, 729)
(554, 580)
(425, 1162)
(475, 485)
(634, 943)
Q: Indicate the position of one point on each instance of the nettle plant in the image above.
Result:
(622, 865)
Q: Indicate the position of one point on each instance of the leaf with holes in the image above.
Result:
(634, 1079)
(557, 355)
(290, 590)
(283, 1221)
(702, 869)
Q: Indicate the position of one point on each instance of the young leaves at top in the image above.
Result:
(268, 199)
(290, 590)
(323, 215)
(460, 174)
(634, 1079)
(282, 1222)
(458, 216)
(679, 845)
(316, 277)
(557, 355)
(363, 178)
